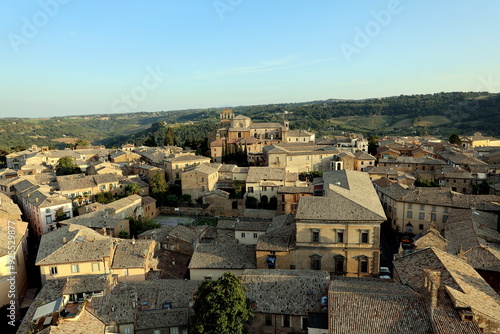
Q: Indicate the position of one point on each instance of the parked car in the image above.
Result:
(385, 273)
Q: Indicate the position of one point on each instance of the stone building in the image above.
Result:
(340, 231)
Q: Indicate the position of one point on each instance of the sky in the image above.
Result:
(74, 57)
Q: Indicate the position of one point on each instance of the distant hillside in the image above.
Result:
(435, 114)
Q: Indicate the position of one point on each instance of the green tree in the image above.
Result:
(158, 186)
(221, 306)
(251, 202)
(132, 189)
(138, 226)
(60, 214)
(455, 139)
(169, 138)
(82, 142)
(123, 235)
(372, 145)
(66, 166)
(151, 142)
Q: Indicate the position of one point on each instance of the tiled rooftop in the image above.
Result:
(372, 305)
(281, 291)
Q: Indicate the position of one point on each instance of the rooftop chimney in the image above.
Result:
(432, 282)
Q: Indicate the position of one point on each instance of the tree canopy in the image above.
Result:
(158, 186)
(221, 306)
(66, 166)
(455, 139)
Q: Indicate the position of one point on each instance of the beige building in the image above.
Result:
(412, 210)
(274, 248)
(76, 250)
(300, 157)
(240, 133)
(79, 187)
(72, 251)
(263, 182)
(177, 164)
(340, 232)
(199, 179)
(477, 140)
(300, 136)
(39, 205)
(13, 253)
(133, 259)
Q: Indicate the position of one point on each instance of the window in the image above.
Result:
(47, 210)
(255, 235)
(315, 236)
(364, 237)
(315, 262)
(445, 218)
(434, 209)
(208, 278)
(420, 227)
(269, 319)
(48, 219)
(422, 207)
(96, 266)
(125, 272)
(242, 235)
(250, 189)
(339, 264)
(277, 160)
(174, 330)
(157, 331)
(289, 158)
(363, 266)
(307, 157)
(53, 270)
(202, 179)
(264, 188)
(433, 217)
(409, 214)
(304, 323)
(286, 320)
(421, 215)
(340, 236)
(202, 188)
(127, 330)
(446, 209)
(410, 205)
(75, 268)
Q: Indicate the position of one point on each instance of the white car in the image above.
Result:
(385, 272)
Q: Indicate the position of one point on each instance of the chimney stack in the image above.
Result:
(432, 282)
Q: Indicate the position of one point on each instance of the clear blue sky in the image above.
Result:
(73, 57)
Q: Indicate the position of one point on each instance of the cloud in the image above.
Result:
(263, 66)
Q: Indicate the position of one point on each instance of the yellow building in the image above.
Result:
(340, 232)
(76, 250)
